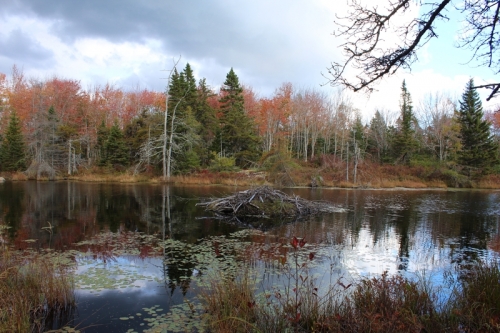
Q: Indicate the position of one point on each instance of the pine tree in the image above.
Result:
(237, 135)
(404, 144)
(13, 149)
(53, 148)
(115, 147)
(206, 115)
(102, 136)
(191, 98)
(182, 127)
(478, 150)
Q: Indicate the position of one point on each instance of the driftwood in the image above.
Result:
(265, 201)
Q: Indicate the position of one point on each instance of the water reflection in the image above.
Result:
(460, 225)
(381, 230)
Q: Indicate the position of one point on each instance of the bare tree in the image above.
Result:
(165, 156)
(436, 112)
(367, 29)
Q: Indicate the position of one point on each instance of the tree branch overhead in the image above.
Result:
(368, 29)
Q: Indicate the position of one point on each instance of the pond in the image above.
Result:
(127, 279)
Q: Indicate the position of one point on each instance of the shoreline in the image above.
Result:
(235, 179)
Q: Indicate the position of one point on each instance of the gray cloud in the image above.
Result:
(18, 47)
(268, 42)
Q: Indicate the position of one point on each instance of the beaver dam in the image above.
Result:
(266, 202)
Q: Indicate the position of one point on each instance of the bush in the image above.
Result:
(221, 163)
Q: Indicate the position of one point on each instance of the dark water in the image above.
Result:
(399, 231)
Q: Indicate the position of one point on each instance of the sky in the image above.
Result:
(128, 43)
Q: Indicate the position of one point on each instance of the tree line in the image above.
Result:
(54, 126)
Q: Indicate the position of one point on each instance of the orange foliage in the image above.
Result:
(272, 115)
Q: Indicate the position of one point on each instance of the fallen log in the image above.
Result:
(265, 201)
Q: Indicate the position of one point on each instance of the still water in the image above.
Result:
(409, 232)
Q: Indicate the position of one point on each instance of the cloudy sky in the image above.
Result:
(129, 42)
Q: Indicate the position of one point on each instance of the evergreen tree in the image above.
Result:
(358, 134)
(13, 149)
(191, 98)
(115, 147)
(206, 115)
(479, 149)
(237, 134)
(53, 148)
(404, 144)
(143, 130)
(182, 104)
(102, 136)
(378, 137)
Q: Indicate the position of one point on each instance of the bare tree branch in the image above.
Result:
(365, 31)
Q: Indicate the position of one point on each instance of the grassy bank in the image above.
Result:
(35, 290)
(471, 302)
(296, 173)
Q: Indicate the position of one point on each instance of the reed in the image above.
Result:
(477, 302)
(33, 290)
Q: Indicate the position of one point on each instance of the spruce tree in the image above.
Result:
(181, 120)
(237, 135)
(206, 115)
(404, 144)
(13, 149)
(102, 136)
(115, 147)
(479, 150)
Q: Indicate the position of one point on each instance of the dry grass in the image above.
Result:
(345, 184)
(489, 182)
(241, 178)
(19, 176)
(32, 288)
(436, 184)
(380, 304)
(110, 178)
(230, 304)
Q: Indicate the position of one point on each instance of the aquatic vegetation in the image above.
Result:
(378, 304)
(35, 288)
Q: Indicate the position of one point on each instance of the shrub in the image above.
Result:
(221, 163)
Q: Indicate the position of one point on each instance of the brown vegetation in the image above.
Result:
(33, 289)
(379, 304)
(320, 172)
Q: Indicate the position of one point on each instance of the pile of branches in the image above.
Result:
(265, 201)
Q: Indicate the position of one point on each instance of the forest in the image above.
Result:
(54, 128)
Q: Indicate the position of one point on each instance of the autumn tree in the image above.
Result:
(478, 151)
(380, 41)
(441, 134)
(13, 149)
(238, 132)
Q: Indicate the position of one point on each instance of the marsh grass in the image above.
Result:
(385, 303)
(34, 290)
(477, 302)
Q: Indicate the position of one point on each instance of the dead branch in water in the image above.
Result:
(265, 201)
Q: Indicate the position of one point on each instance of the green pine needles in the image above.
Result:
(12, 151)
(478, 154)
